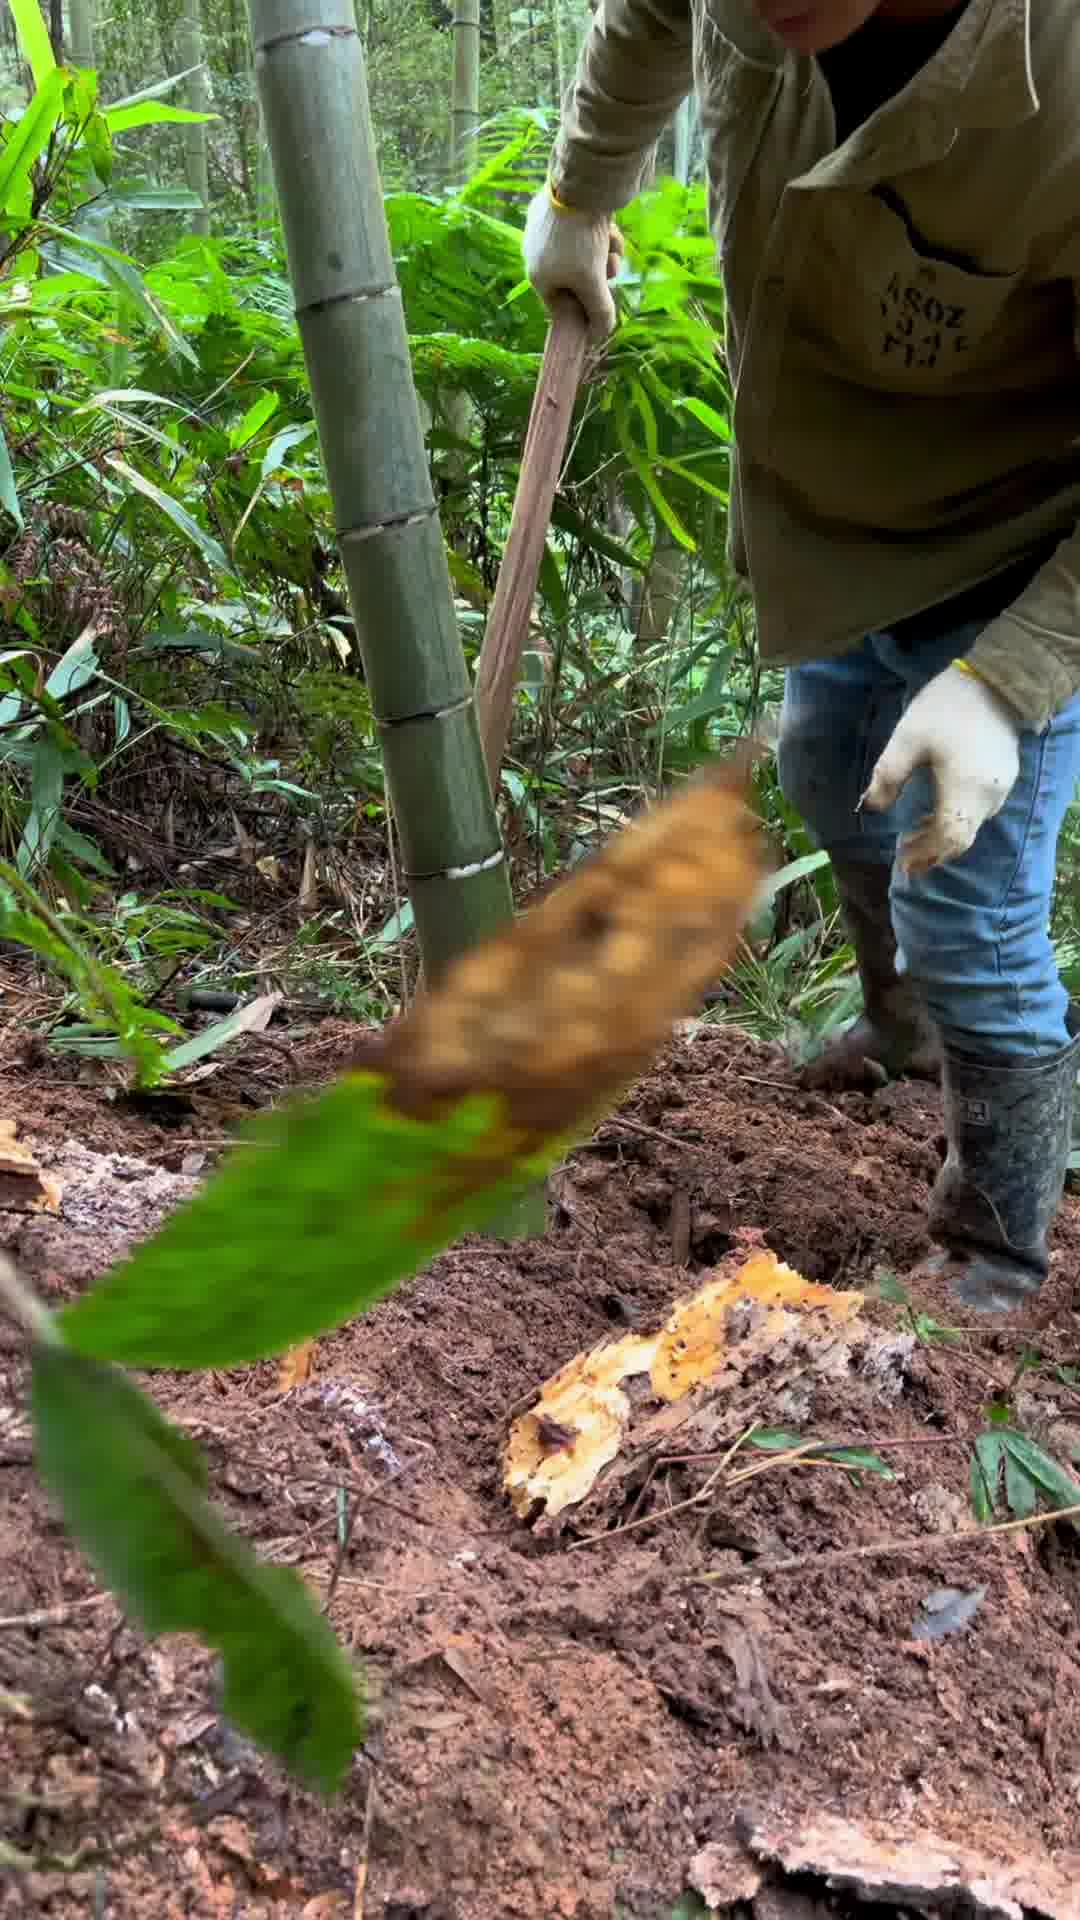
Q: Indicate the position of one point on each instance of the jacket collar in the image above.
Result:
(981, 76)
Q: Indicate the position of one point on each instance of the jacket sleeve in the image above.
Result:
(1031, 653)
(635, 70)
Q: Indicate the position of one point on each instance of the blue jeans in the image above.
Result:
(974, 933)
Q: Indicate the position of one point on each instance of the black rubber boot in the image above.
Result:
(893, 1034)
(1009, 1129)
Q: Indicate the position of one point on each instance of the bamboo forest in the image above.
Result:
(485, 1433)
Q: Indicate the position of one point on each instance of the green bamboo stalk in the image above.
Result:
(309, 66)
(465, 96)
(81, 33)
(265, 198)
(82, 52)
(192, 54)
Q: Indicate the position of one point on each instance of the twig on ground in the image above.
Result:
(55, 1616)
(301, 1477)
(637, 1126)
(704, 1492)
(840, 1556)
(365, 1845)
(779, 1086)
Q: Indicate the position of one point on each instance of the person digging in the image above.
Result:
(894, 190)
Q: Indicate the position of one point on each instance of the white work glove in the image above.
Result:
(570, 252)
(968, 737)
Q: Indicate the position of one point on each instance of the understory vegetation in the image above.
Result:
(197, 824)
(192, 794)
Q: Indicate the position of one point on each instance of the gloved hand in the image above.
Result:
(969, 738)
(570, 252)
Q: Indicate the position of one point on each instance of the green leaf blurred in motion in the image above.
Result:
(332, 1202)
(131, 1488)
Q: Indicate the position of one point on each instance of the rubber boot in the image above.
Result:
(893, 1034)
(1009, 1132)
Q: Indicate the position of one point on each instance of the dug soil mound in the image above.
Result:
(574, 1723)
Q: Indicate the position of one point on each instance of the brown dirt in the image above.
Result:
(558, 1729)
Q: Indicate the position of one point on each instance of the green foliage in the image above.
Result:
(1008, 1468)
(108, 1006)
(132, 1491)
(926, 1329)
(263, 1257)
(34, 39)
(856, 1460)
(657, 425)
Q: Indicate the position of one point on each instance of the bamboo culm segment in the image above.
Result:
(309, 66)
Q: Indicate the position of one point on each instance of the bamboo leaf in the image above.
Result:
(1021, 1492)
(126, 280)
(149, 199)
(710, 700)
(399, 923)
(1061, 1488)
(683, 471)
(149, 113)
(283, 443)
(46, 793)
(34, 39)
(254, 419)
(213, 553)
(648, 418)
(155, 91)
(799, 869)
(568, 520)
(80, 848)
(100, 149)
(76, 668)
(708, 416)
(861, 1459)
(131, 1488)
(31, 134)
(648, 479)
(253, 1015)
(986, 1462)
(9, 496)
(552, 585)
(113, 396)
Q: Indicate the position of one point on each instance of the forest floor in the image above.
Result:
(559, 1730)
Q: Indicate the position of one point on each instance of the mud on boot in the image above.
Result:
(1008, 1125)
(893, 1034)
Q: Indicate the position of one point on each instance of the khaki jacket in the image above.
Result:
(902, 315)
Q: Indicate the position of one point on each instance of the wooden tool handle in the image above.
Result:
(545, 444)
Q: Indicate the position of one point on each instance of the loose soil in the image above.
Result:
(557, 1728)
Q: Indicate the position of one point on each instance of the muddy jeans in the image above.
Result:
(975, 932)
